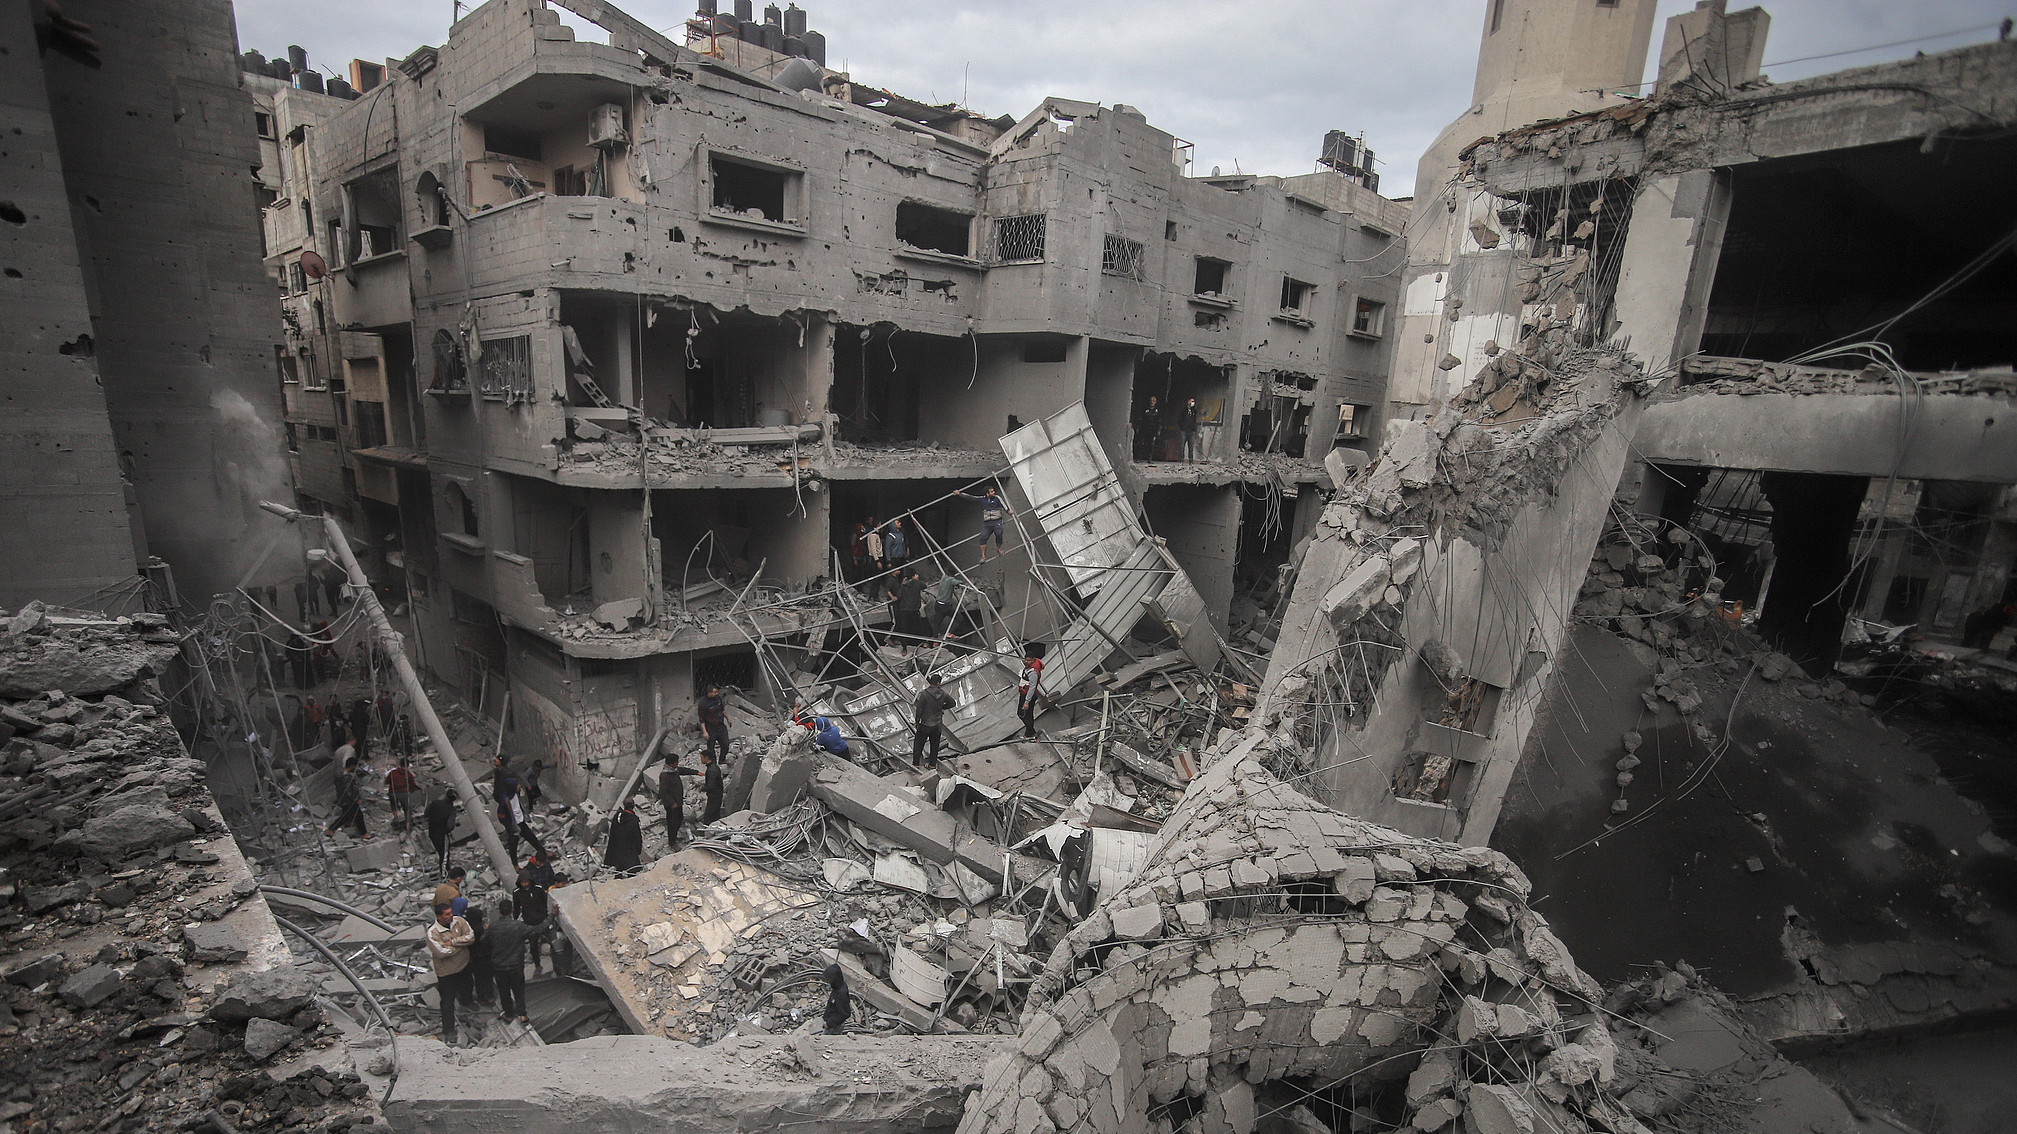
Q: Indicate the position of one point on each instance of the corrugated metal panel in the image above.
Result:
(1074, 494)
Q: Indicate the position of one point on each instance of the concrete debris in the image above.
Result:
(1708, 374)
(137, 950)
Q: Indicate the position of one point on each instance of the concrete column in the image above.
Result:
(616, 551)
(1669, 263)
(1202, 527)
(817, 387)
(622, 381)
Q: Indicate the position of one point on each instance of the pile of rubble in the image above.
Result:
(901, 455)
(675, 452)
(146, 983)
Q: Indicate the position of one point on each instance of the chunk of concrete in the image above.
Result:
(783, 776)
(41, 970)
(856, 1085)
(214, 943)
(91, 987)
(265, 1039)
(880, 806)
(271, 995)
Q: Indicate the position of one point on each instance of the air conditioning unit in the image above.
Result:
(605, 127)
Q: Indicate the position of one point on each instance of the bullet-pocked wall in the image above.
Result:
(157, 148)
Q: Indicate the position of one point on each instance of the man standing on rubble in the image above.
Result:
(1028, 688)
(360, 727)
(1187, 425)
(993, 509)
(839, 1005)
(349, 800)
(448, 942)
(626, 841)
(710, 783)
(932, 702)
(400, 786)
(402, 736)
(508, 937)
(713, 713)
(311, 724)
(529, 903)
(672, 797)
(532, 774)
(440, 825)
(945, 599)
(910, 627)
(511, 816)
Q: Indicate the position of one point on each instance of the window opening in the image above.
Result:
(511, 142)
(1019, 238)
(1211, 277)
(1369, 318)
(1296, 295)
(747, 190)
(1122, 257)
(506, 369)
(263, 123)
(1043, 350)
(1351, 422)
(933, 229)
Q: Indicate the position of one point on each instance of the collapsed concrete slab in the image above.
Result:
(1274, 948)
(905, 817)
(807, 1084)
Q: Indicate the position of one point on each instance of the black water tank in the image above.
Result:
(708, 7)
(773, 15)
(815, 47)
(254, 62)
(794, 20)
(297, 57)
(773, 38)
(280, 70)
(794, 46)
(311, 81)
(745, 10)
(340, 88)
(724, 25)
(750, 32)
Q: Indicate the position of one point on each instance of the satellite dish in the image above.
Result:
(312, 265)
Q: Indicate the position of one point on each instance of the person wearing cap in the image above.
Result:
(448, 942)
(932, 702)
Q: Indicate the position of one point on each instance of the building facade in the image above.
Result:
(615, 324)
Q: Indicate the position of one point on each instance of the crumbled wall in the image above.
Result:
(1273, 941)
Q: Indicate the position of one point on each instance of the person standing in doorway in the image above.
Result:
(993, 511)
(929, 720)
(713, 713)
(1187, 424)
(1148, 430)
(448, 942)
(672, 797)
(710, 783)
(1029, 688)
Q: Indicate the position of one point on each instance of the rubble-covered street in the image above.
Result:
(605, 573)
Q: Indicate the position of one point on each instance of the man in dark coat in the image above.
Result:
(360, 727)
(441, 824)
(910, 626)
(1148, 430)
(626, 841)
(713, 711)
(838, 1004)
(1187, 425)
(672, 797)
(508, 938)
(711, 784)
(929, 711)
(529, 903)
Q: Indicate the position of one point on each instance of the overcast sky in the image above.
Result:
(1254, 85)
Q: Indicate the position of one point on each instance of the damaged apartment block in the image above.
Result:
(606, 386)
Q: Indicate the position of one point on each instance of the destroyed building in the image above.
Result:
(143, 421)
(1538, 745)
(590, 340)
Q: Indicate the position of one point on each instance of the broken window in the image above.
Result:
(284, 362)
(1211, 277)
(1296, 296)
(506, 369)
(933, 229)
(1369, 318)
(262, 123)
(511, 142)
(1019, 239)
(370, 424)
(570, 182)
(1352, 422)
(448, 373)
(753, 192)
(1121, 257)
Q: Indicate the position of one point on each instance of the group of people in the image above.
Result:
(349, 732)
(624, 852)
(480, 960)
(1149, 430)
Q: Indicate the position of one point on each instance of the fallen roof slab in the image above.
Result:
(862, 1084)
